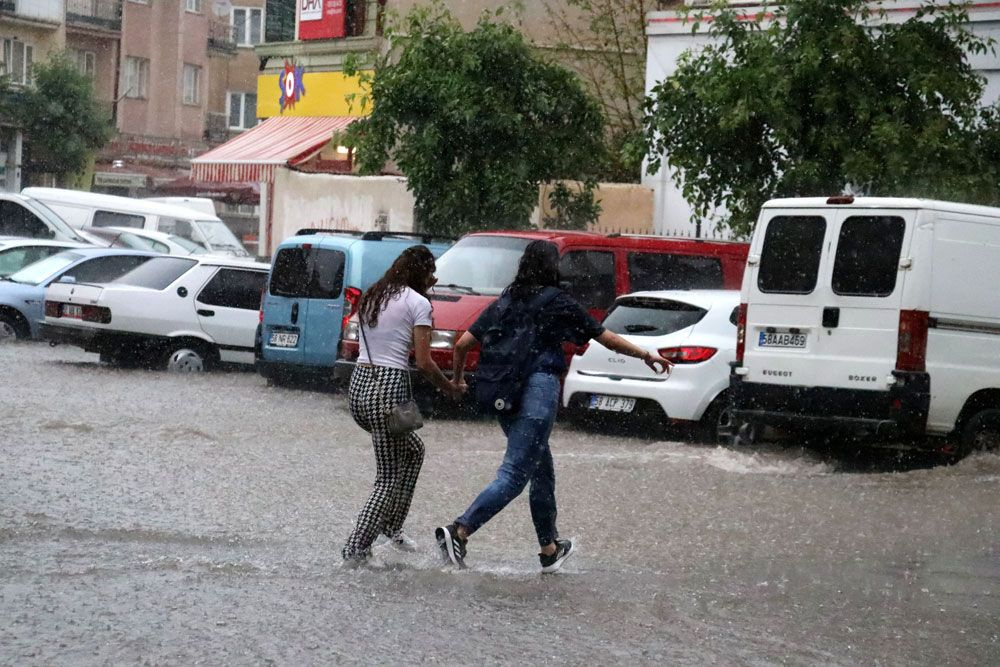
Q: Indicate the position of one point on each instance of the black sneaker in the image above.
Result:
(552, 563)
(452, 546)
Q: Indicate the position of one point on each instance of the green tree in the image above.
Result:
(571, 209)
(475, 121)
(605, 41)
(64, 125)
(818, 102)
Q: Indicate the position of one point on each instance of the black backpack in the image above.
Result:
(507, 350)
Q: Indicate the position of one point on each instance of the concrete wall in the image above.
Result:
(670, 36)
(625, 208)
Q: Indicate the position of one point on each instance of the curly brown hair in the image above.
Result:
(413, 269)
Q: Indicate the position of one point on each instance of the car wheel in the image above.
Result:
(981, 433)
(742, 433)
(12, 328)
(716, 425)
(187, 358)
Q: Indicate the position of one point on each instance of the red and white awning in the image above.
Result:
(276, 142)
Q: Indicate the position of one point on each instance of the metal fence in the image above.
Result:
(100, 13)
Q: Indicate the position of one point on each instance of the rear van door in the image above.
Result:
(824, 297)
(324, 305)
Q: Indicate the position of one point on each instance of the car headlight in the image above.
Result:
(351, 330)
(443, 339)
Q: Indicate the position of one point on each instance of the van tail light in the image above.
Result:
(690, 354)
(911, 351)
(741, 333)
(352, 295)
(52, 309)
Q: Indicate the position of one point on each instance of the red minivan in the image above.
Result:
(594, 269)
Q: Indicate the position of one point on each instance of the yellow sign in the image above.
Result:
(319, 94)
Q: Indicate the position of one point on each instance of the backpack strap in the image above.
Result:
(542, 299)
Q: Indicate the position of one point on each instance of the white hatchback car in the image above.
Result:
(695, 329)
(181, 313)
(142, 239)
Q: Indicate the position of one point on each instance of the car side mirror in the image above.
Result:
(67, 279)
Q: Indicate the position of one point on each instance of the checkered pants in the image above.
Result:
(373, 392)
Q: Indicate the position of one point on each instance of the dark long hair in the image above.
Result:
(413, 269)
(538, 268)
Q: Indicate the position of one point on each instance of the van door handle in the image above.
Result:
(206, 313)
(295, 313)
(831, 317)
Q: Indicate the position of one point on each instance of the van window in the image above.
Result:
(115, 219)
(789, 262)
(589, 277)
(234, 288)
(15, 220)
(643, 316)
(655, 271)
(177, 227)
(157, 273)
(104, 269)
(867, 260)
(483, 264)
(316, 273)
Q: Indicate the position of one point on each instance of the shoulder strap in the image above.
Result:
(543, 298)
(368, 348)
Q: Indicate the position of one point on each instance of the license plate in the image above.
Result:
(612, 403)
(284, 339)
(781, 339)
(69, 310)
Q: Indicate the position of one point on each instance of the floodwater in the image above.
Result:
(165, 519)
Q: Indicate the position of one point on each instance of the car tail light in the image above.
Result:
(352, 295)
(841, 200)
(690, 354)
(98, 314)
(52, 309)
(741, 333)
(580, 349)
(911, 351)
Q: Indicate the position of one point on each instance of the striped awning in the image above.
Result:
(276, 142)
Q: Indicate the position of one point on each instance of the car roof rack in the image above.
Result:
(309, 231)
(376, 236)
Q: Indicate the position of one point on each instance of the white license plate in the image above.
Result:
(284, 340)
(612, 403)
(781, 339)
(69, 310)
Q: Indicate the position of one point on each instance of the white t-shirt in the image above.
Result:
(392, 340)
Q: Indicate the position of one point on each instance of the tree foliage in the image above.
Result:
(606, 42)
(63, 123)
(476, 121)
(819, 102)
(571, 209)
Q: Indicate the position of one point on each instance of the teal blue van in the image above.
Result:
(315, 284)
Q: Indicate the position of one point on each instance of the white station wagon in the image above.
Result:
(179, 313)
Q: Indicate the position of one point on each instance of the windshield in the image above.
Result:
(219, 237)
(485, 264)
(53, 219)
(38, 272)
(189, 245)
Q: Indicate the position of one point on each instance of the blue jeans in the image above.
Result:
(528, 459)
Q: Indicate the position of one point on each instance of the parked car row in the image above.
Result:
(871, 317)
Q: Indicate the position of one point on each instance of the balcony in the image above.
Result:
(221, 36)
(99, 14)
(41, 11)
(363, 29)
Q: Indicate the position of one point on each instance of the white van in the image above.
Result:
(85, 209)
(874, 316)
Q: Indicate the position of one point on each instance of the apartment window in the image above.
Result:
(193, 5)
(247, 25)
(192, 84)
(17, 61)
(242, 110)
(86, 61)
(136, 77)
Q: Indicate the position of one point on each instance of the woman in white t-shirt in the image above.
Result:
(395, 317)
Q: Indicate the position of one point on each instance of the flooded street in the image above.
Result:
(177, 519)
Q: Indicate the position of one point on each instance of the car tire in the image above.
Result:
(741, 433)
(12, 327)
(981, 433)
(716, 425)
(188, 357)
